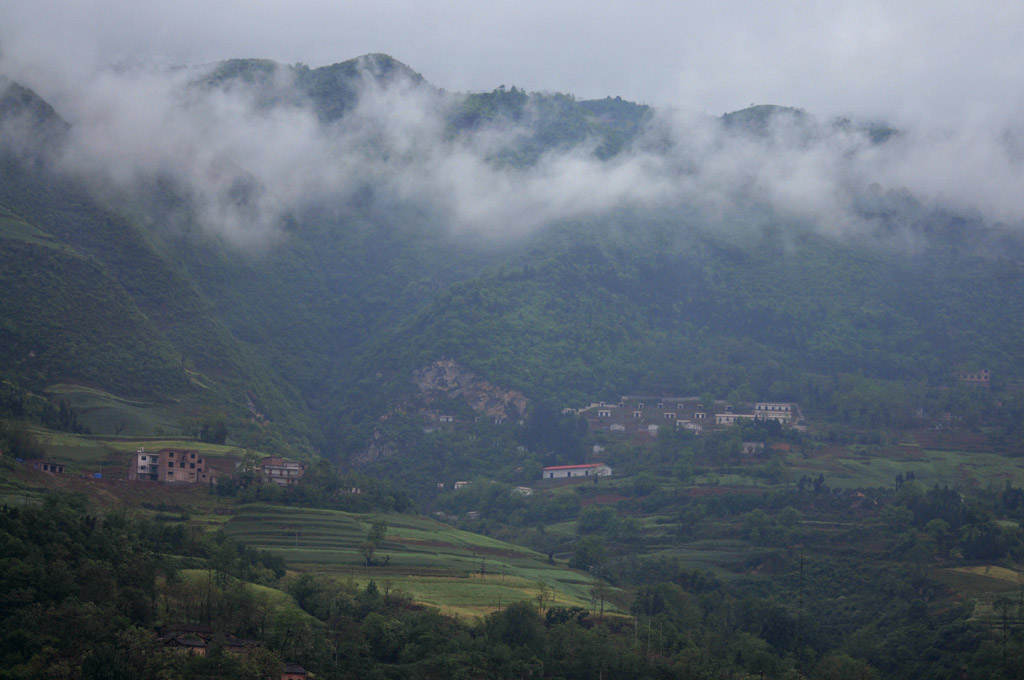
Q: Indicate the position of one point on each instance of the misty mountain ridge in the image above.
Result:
(299, 242)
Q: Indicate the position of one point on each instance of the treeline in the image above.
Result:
(19, 408)
(323, 486)
(81, 592)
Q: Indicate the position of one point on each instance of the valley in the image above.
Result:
(412, 310)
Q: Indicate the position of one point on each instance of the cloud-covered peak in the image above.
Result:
(251, 140)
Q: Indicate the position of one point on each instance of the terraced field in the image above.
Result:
(456, 571)
(106, 413)
(89, 453)
(957, 469)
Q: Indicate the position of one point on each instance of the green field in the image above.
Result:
(90, 453)
(108, 414)
(433, 562)
(955, 469)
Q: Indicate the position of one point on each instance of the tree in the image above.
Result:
(374, 537)
(589, 553)
(367, 549)
(597, 519)
(214, 429)
(246, 472)
(518, 625)
(378, 532)
(598, 594)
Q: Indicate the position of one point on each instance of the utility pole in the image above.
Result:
(800, 607)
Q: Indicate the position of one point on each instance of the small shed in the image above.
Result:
(47, 466)
(293, 671)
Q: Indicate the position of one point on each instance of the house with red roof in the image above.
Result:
(585, 470)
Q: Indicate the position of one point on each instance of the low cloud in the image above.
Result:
(245, 160)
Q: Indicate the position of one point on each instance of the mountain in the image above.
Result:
(403, 260)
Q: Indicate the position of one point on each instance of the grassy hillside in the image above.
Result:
(105, 413)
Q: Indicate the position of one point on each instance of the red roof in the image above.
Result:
(574, 467)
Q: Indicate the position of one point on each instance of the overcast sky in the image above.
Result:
(904, 61)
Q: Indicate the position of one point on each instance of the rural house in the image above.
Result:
(981, 377)
(281, 471)
(641, 416)
(182, 465)
(171, 465)
(774, 410)
(585, 470)
(145, 466)
(195, 640)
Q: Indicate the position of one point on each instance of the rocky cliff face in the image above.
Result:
(378, 448)
(441, 380)
(446, 379)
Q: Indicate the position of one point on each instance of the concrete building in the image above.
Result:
(731, 418)
(171, 465)
(774, 410)
(280, 471)
(585, 470)
(145, 466)
(183, 465)
(639, 416)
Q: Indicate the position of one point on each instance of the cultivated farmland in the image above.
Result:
(457, 571)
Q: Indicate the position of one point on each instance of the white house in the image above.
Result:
(586, 470)
(146, 466)
(774, 410)
(732, 418)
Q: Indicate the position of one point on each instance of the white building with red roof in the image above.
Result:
(585, 470)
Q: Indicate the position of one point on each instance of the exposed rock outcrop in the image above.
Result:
(441, 380)
(379, 447)
(446, 379)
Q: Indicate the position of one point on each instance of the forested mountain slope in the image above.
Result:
(570, 250)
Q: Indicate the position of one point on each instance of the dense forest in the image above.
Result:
(129, 292)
